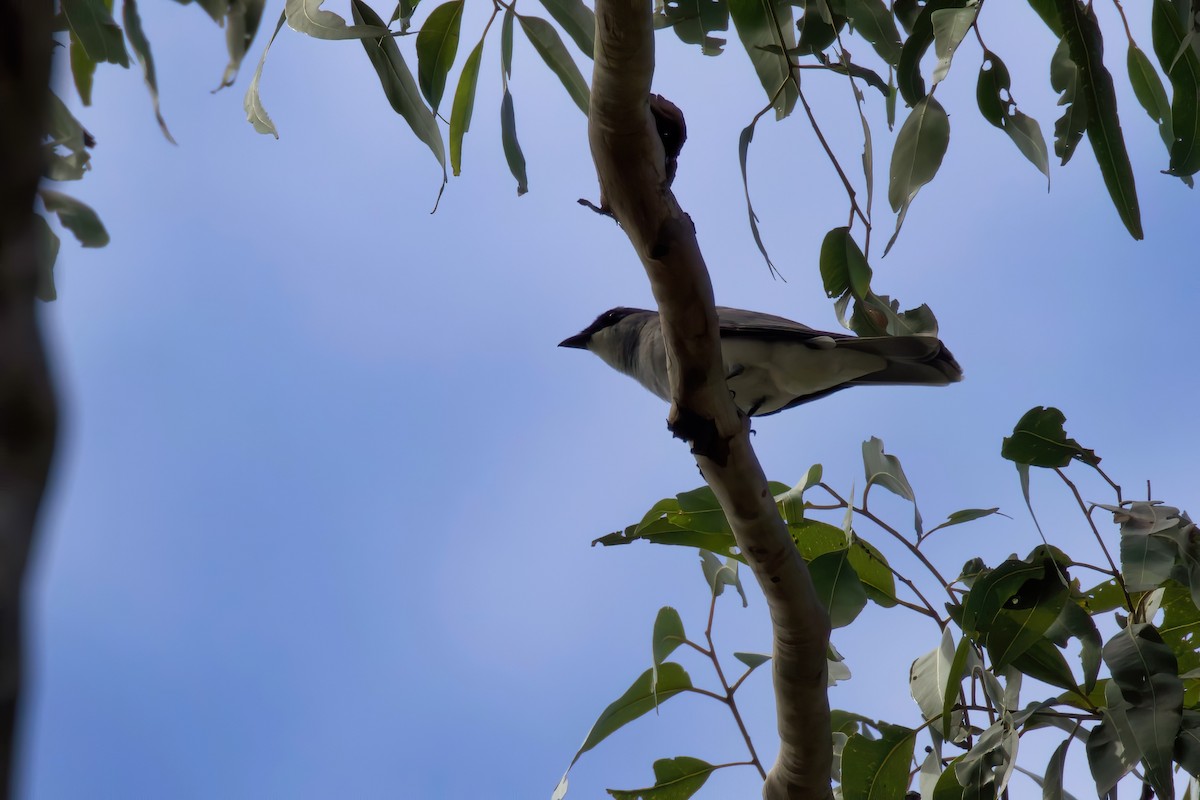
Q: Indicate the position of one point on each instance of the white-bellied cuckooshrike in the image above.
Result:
(771, 363)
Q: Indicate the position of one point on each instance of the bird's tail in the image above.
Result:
(921, 360)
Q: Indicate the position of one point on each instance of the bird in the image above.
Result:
(771, 363)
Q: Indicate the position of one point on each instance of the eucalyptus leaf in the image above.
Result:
(920, 146)
(241, 26)
(437, 46)
(1085, 41)
(577, 20)
(550, 47)
(761, 24)
(838, 587)
(878, 768)
(92, 25)
(141, 48)
(1182, 66)
(885, 470)
(674, 779)
(464, 105)
(75, 216)
(744, 139)
(872, 20)
(512, 148)
(256, 115)
(1070, 127)
(307, 17)
(398, 84)
(1040, 440)
(950, 26)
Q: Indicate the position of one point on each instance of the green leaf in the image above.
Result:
(256, 115)
(838, 587)
(1052, 785)
(83, 70)
(141, 48)
(506, 44)
(721, 575)
(1145, 671)
(965, 515)
(950, 25)
(92, 25)
(815, 538)
(747, 136)
(700, 510)
(818, 28)
(752, 660)
(668, 634)
(872, 20)
(790, 501)
(694, 21)
(64, 131)
(674, 779)
(1024, 618)
(1049, 14)
(935, 676)
(1180, 627)
(307, 16)
(241, 26)
(398, 84)
(873, 570)
(920, 146)
(1073, 622)
(550, 47)
(48, 245)
(77, 217)
(1083, 37)
(1111, 750)
(1040, 440)
(908, 67)
(437, 45)
(877, 769)
(1045, 662)
(577, 20)
(638, 699)
(885, 470)
(1148, 548)
(464, 104)
(512, 148)
(1148, 89)
(1187, 744)
(843, 265)
(997, 106)
(762, 24)
(1070, 127)
(1182, 66)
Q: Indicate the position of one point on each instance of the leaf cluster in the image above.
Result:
(1126, 685)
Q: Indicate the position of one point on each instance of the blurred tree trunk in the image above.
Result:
(28, 415)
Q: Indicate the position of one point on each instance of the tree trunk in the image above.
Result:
(634, 173)
(28, 414)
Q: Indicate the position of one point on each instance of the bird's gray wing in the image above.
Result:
(738, 322)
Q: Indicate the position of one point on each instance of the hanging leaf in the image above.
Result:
(844, 268)
(398, 84)
(49, 245)
(550, 47)
(437, 45)
(838, 587)
(997, 106)
(920, 147)
(762, 24)
(464, 104)
(577, 20)
(141, 48)
(83, 70)
(1182, 66)
(694, 21)
(950, 25)
(506, 44)
(744, 139)
(256, 115)
(241, 26)
(908, 67)
(512, 148)
(1070, 127)
(1083, 37)
(92, 26)
(872, 20)
(75, 216)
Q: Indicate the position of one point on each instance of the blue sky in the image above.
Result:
(321, 518)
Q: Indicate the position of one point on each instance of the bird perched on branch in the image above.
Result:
(771, 363)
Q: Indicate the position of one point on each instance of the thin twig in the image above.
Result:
(733, 709)
(1099, 539)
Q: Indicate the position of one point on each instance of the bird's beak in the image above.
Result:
(578, 341)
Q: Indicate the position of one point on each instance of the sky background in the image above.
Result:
(320, 521)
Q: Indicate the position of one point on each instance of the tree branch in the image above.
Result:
(631, 166)
(27, 406)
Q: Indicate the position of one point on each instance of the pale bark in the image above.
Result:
(634, 188)
(27, 406)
